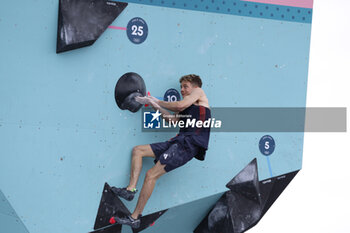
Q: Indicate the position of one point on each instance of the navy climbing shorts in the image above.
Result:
(175, 152)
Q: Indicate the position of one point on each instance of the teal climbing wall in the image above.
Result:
(62, 135)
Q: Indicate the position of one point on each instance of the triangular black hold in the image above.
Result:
(81, 22)
(245, 204)
(246, 182)
(148, 220)
(110, 205)
(238, 209)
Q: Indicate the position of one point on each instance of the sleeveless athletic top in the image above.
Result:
(199, 136)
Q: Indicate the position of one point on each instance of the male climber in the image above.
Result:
(188, 143)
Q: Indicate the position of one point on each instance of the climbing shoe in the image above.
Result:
(124, 193)
(126, 220)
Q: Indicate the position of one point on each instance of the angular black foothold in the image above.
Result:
(148, 220)
(81, 22)
(246, 182)
(110, 205)
(127, 88)
(245, 204)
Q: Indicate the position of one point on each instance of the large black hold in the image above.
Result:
(111, 205)
(245, 204)
(127, 88)
(81, 22)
